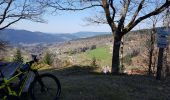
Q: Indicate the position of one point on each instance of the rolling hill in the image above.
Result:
(23, 36)
(28, 37)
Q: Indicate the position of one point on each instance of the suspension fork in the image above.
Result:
(37, 76)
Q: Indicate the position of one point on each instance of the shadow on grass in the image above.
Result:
(80, 70)
(73, 70)
(84, 83)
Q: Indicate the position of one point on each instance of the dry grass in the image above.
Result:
(81, 83)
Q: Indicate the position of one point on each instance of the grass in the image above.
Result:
(99, 53)
(82, 83)
(102, 56)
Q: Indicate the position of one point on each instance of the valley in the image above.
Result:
(94, 51)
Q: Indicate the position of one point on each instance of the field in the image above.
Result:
(101, 55)
(82, 83)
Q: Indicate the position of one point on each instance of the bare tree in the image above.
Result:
(153, 21)
(162, 58)
(121, 15)
(152, 41)
(166, 24)
(166, 21)
(11, 11)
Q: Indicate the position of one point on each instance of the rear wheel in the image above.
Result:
(45, 87)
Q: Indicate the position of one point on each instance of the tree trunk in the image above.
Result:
(121, 56)
(159, 66)
(115, 54)
(152, 40)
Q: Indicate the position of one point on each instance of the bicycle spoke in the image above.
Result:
(50, 89)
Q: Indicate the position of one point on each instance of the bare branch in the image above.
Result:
(136, 12)
(78, 8)
(70, 6)
(5, 11)
(10, 23)
(107, 14)
(123, 15)
(97, 19)
(113, 8)
(13, 11)
(166, 19)
(2, 2)
(155, 12)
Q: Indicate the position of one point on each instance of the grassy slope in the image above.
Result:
(101, 54)
(78, 83)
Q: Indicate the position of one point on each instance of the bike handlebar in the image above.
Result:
(27, 66)
(34, 58)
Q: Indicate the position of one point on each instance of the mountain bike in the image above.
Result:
(25, 79)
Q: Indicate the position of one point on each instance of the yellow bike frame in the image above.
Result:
(6, 83)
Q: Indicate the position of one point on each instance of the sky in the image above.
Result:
(67, 22)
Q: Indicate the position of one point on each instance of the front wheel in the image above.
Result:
(45, 87)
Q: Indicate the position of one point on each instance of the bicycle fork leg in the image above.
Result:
(40, 81)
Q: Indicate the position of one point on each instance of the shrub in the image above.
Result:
(66, 63)
(84, 49)
(71, 52)
(48, 59)
(135, 53)
(57, 63)
(94, 63)
(93, 47)
(127, 59)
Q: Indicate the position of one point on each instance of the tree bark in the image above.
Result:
(152, 40)
(115, 54)
(121, 56)
(159, 66)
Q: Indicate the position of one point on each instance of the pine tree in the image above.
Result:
(18, 57)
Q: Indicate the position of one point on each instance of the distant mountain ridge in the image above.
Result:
(28, 37)
(89, 34)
